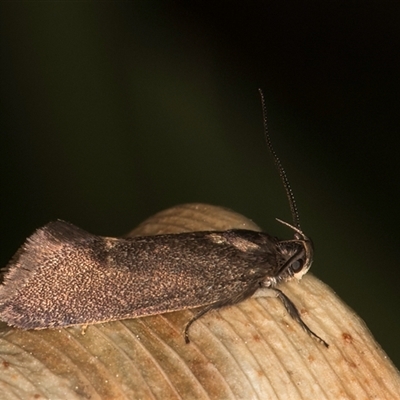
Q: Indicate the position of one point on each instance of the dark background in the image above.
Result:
(112, 111)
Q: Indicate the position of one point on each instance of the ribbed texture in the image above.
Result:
(250, 351)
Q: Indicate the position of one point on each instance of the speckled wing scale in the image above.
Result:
(65, 276)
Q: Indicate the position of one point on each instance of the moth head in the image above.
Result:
(299, 251)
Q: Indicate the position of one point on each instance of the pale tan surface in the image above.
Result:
(250, 351)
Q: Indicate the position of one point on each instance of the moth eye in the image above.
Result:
(297, 265)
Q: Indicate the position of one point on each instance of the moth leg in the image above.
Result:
(196, 317)
(292, 310)
(84, 329)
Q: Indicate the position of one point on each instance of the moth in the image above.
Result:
(64, 276)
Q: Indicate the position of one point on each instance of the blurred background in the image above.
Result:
(113, 111)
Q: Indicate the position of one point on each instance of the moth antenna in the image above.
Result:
(281, 170)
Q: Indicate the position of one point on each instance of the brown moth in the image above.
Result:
(63, 275)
